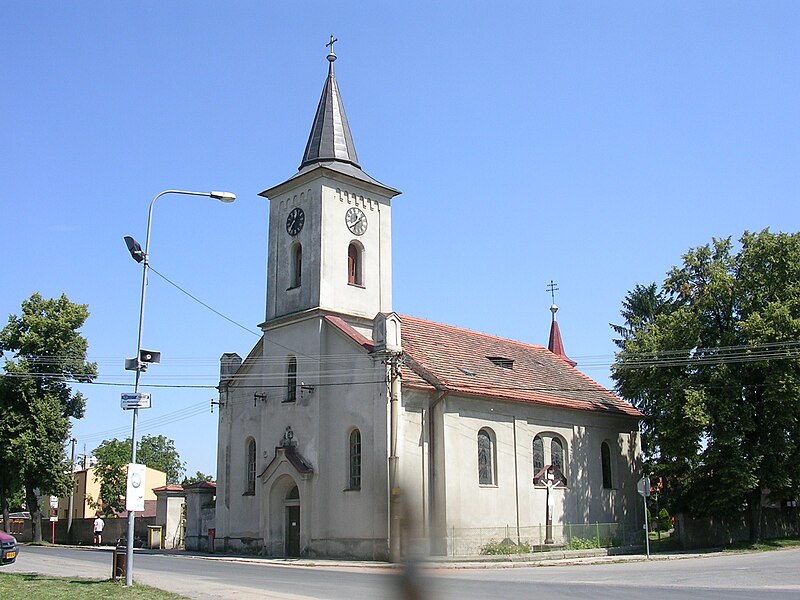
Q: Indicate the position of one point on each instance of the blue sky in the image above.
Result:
(590, 143)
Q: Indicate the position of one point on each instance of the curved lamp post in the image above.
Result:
(137, 364)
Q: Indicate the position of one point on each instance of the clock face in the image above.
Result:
(356, 220)
(295, 220)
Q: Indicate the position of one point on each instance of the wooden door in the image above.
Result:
(292, 531)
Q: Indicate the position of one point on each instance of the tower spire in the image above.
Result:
(330, 138)
(555, 345)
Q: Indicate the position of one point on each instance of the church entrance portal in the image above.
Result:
(292, 526)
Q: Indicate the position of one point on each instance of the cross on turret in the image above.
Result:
(552, 287)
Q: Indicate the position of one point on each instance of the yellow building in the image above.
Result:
(87, 490)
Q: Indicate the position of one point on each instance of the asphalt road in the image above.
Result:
(767, 575)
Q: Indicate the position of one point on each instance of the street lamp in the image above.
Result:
(140, 362)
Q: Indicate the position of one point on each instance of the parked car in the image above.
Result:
(8, 548)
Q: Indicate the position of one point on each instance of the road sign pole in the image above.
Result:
(646, 528)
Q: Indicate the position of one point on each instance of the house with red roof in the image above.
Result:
(351, 431)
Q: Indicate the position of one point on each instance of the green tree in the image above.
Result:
(197, 478)
(110, 470)
(640, 308)
(158, 452)
(113, 456)
(36, 400)
(717, 374)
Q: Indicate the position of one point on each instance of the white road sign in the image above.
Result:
(643, 487)
(135, 400)
(134, 495)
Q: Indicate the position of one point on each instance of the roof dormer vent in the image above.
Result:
(505, 363)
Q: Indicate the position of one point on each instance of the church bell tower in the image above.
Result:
(329, 225)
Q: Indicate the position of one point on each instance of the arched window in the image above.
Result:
(355, 460)
(354, 264)
(291, 380)
(485, 458)
(557, 454)
(538, 454)
(297, 265)
(605, 458)
(251, 467)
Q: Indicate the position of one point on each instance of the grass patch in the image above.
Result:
(505, 547)
(663, 542)
(764, 545)
(578, 543)
(29, 586)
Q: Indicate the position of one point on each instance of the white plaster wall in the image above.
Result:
(470, 505)
(351, 522)
(336, 294)
(236, 515)
(281, 300)
(325, 239)
(349, 390)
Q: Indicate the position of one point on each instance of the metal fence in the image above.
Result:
(473, 541)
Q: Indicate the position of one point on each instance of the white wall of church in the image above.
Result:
(344, 390)
(351, 522)
(512, 499)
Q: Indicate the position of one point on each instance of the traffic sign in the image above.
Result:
(643, 487)
(135, 400)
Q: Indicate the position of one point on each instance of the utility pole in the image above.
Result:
(395, 492)
(74, 442)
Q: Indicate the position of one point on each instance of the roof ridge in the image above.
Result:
(473, 332)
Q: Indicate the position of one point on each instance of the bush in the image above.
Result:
(664, 520)
(505, 547)
(577, 543)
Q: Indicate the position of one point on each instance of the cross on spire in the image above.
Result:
(552, 287)
(331, 43)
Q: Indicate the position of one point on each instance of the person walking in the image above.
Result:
(98, 530)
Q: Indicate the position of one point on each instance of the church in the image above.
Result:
(351, 431)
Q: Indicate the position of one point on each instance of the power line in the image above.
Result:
(196, 299)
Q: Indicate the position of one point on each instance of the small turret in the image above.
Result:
(555, 345)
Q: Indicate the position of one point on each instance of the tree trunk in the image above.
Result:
(754, 515)
(32, 500)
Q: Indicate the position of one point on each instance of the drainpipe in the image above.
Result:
(516, 477)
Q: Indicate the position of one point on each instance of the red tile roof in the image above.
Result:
(456, 360)
(172, 487)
